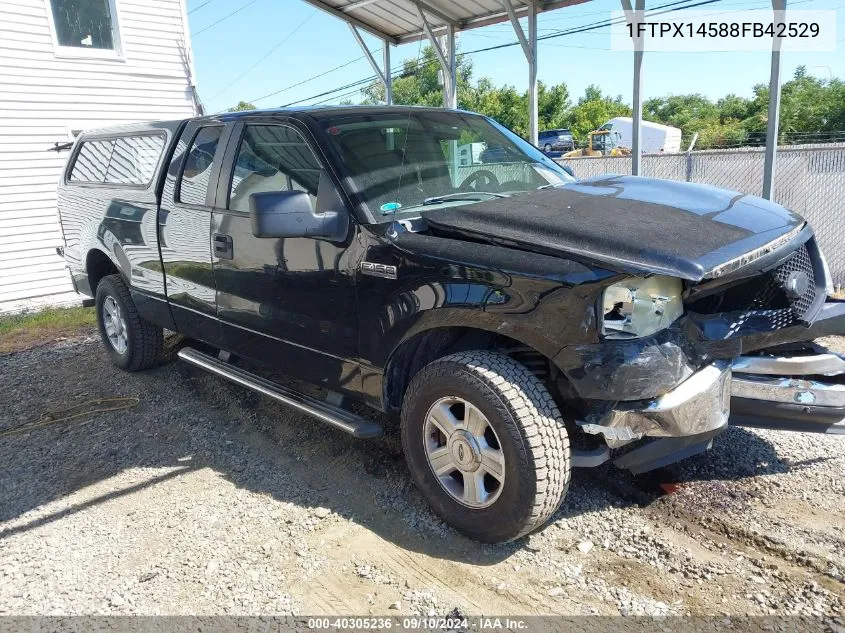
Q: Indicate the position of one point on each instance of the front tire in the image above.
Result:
(132, 343)
(547, 148)
(486, 445)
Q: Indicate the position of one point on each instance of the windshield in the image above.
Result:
(399, 163)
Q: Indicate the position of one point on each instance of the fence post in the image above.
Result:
(689, 156)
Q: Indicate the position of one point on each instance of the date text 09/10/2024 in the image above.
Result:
(419, 623)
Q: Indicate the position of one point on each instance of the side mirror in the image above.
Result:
(568, 169)
(292, 214)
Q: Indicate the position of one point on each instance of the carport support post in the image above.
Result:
(450, 98)
(383, 75)
(533, 125)
(388, 76)
(778, 7)
(529, 47)
(635, 17)
(447, 64)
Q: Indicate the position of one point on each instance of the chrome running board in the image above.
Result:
(337, 417)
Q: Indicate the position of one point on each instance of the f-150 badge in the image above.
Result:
(378, 270)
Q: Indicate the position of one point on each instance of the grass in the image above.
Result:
(23, 331)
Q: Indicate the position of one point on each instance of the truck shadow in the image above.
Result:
(188, 420)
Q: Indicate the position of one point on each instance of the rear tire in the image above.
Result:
(132, 343)
(493, 483)
(547, 148)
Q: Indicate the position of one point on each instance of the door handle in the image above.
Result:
(223, 246)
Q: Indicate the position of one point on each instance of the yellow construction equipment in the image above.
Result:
(600, 143)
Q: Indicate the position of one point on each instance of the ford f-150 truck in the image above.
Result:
(515, 321)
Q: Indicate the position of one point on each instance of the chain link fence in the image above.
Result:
(810, 180)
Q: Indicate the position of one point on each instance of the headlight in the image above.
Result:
(640, 307)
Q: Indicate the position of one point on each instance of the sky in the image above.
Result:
(269, 46)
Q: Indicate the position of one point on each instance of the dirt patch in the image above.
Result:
(208, 499)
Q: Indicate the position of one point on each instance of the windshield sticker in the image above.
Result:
(390, 206)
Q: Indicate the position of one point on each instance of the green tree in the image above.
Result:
(419, 82)
(242, 105)
(552, 105)
(592, 111)
(812, 109)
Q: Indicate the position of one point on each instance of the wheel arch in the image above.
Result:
(426, 345)
(99, 264)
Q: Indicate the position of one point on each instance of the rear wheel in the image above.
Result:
(547, 148)
(132, 343)
(486, 445)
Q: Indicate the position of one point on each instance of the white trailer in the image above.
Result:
(654, 137)
(470, 154)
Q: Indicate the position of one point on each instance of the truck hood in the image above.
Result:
(627, 223)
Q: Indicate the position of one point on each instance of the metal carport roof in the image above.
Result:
(401, 21)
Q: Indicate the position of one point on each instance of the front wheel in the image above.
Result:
(486, 445)
(547, 148)
(131, 342)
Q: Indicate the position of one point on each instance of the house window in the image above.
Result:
(85, 27)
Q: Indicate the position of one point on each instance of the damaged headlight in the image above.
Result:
(641, 306)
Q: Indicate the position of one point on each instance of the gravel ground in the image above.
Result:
(208, 499)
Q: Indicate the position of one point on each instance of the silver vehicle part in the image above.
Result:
(827, 364)
(792, 390)
(464, 452)
(590, 458)
(698, 405)
(339, 418)
(114, 324)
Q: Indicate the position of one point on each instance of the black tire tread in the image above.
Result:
(147, 339)
(543, 431)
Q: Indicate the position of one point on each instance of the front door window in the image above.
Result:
(272, 158)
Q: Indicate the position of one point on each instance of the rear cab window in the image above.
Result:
(122, 160)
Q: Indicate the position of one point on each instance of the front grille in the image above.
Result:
(799, 262)
(764, 303)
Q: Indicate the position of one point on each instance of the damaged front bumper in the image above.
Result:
(683, 422)
(790, 392)
(795, 391)
(700, 404)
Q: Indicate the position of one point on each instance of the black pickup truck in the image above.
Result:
(517, 322)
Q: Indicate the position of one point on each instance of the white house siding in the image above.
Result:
(44, 95)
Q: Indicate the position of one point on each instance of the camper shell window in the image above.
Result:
(125, 160)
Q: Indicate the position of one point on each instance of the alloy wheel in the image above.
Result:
(464, 452)
(115, 325)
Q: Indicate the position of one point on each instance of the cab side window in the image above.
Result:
(272, 158)
(196, 171)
